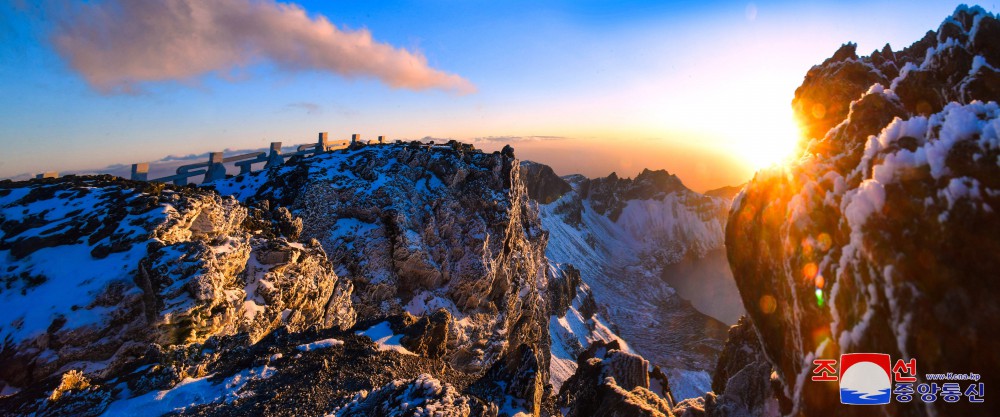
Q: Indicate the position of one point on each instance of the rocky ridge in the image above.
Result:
(437, 287)
(433, 256)
(418, 229)
(882, 236)
(401, 279)
(611, 382)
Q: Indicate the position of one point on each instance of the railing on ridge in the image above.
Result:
(215, 169)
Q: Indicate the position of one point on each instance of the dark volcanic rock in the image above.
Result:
(742, 381)
(882, 238)
(543, 185)
(417, 397)
(282, 375)
(741, 384)
(824, 98)
(428, 335)
(563, 283)
(609, 382)
(609, 195)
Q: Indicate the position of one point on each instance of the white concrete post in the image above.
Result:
(245, 168)
(323, 142)
(140, 171)
(215, 171)
(354, 139)
(381, 140)
(274, 157)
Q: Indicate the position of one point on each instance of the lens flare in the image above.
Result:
(768, 304)
(824, 241)
(809, 271)
(820, 335)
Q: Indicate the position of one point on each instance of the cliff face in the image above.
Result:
(884, 235)
(418, 230)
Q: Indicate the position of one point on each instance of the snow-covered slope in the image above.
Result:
(619, 234)
(575, 326)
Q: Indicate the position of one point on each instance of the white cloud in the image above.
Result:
(117, 44)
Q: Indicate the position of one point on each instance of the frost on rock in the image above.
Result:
(420, 229)
(176, 291)
(423, 396)
(611, 382)
(882, 236)
(188, 394)
(384, 337)
(320, 344)
(96, 269)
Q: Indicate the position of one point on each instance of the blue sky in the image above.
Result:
(699, 88)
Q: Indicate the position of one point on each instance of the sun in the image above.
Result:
(766, 136)
(775, 143)
(756, 125)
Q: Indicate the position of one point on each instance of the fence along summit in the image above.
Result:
(214, 168)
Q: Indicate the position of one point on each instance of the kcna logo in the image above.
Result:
(865, 378)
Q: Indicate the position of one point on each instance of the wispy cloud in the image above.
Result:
(513, 139)
(119, 44)
(434, 139)
(308, 107)
(495, 139)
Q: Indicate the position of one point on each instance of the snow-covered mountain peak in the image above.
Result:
(619, 234)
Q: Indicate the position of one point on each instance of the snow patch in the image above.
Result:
(320, 344)
(685, 384)
(385, 338)
(70, 286)
(188, 393)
